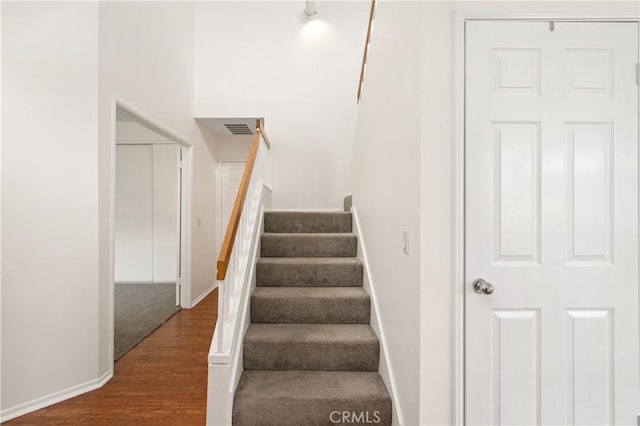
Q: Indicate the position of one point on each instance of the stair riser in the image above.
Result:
(305, 245)
(312, 413)
(307, 222)
(310, 311)
(289, 275)
(330, 356)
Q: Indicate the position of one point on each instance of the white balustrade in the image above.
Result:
(232, 289)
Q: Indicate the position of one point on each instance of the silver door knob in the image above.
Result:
(482, 286)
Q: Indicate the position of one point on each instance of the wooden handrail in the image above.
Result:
(366, 48)
(232, 228)
(260, 128)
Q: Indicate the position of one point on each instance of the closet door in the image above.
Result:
(551, 225)
(134, 215)
(165, 213)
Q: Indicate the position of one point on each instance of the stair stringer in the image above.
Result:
(385, 371)
(223, 378)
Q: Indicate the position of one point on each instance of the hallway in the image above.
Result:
(162, 381)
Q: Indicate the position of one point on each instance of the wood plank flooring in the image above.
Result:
(162, 381)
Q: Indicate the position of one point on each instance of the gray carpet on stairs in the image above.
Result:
(307, 222)
(309, 354)
(310, 305)
(139, 310)
(308, 398)
(309, 272)
(311, 347)
(309, 245)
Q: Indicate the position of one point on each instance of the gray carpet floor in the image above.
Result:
(140, 309)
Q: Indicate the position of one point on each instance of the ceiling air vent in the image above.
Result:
(239, 129)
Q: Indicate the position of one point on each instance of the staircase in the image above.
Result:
(310, 356)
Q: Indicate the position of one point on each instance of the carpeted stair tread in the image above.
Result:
(309, 245)
(293, 398)
(309, 271)
(307, 305)
(311, 347)
(307, 222)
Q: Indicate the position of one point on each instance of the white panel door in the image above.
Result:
(551, 221)
(230, 177)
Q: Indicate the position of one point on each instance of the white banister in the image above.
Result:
(234, 291)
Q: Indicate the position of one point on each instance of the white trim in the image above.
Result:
(186, 226)
(54, 398)
(204, 294)
(150, 123)
(545, 16)
(461, 17)
(187, 192)
(458, 237)
(385, 368)
(112, 231)
(178, 229)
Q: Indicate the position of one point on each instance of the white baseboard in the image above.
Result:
(54, 398)
(385, 368)
(203, 295)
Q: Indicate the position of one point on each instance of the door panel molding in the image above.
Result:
(461, 18)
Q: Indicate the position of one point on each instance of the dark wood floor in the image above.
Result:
(162, 381)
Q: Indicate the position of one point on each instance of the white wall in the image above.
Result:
(207, 153)
(146, 57)
(260, 59)
(63, 66)
(133, 132)
(232, 147)
(49, 201)
(204, 253)
(437, 192)
(404, 155)
(386, 189)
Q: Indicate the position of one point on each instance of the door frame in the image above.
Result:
(461, 18)
(186, 148)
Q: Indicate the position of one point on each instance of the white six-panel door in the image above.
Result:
(551, 221)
